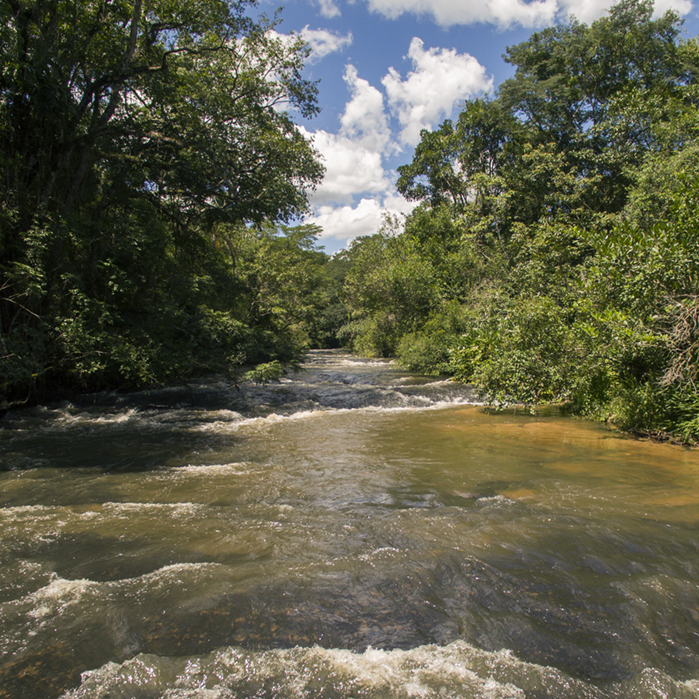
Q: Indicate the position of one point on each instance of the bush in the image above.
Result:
(429, 351)
(532, 358)
(264, 373)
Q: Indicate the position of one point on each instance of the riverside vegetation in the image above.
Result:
(554, 253)
(148, 173)
(148, 167)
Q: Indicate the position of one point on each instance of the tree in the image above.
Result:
(587, 93)
(130, 131)
(564, 136)
(433, 175)
(389, 290)
(558, 224)
(166, 88)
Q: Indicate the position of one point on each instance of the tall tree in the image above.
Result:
(129, 131)
(565, 134)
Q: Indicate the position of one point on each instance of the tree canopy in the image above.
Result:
(556, 231)
(564, 136)
(134, 137)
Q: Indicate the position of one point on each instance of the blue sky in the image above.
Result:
(388, 68)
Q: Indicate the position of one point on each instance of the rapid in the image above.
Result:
(352, 531)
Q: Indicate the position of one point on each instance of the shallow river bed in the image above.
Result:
(353, 531)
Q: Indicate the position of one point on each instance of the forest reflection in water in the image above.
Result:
(353, 531)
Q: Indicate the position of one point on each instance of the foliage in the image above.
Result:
(564, 135)
(523, 352)
(430, 350)
(266, 372)
(392, 288)
(331, 312)
(554, 255)
(138, 145)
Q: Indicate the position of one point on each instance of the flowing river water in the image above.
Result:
(353, 531)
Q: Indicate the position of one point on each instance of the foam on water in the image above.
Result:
(206, 470)
(419, 403)
(328, 383)
(61, 597)
(35, 613)
(58, 596)
(56, 518)
(160, 509)
(366, 362)
(457, 670)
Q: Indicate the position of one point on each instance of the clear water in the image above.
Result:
(353, 531)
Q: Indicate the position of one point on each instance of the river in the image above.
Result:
(352, 531)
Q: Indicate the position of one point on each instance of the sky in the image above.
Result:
(389, 68)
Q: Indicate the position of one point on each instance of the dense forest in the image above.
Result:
(554, 254)
(150, 170)
(148, 165)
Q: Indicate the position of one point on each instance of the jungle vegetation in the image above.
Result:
(148, 165)
(554, 253)
(150, 171)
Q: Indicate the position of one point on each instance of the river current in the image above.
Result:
(352, 531)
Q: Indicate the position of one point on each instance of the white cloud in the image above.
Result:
(397, 204)
(357, 189)
(682, 7)
(324, 42)
(347, 223)
(585, 10)
(350, 169)
(504, 13)
(364, 120)
(598, 9)
(328, 8)
(353, 156)
(507, 13)
(589, 10)
(441, 79)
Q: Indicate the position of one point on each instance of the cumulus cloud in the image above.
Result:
(364, 120)
(323, 42)
(353, 156)
(682, 7)
(358, 190)
(328, 8)
(397, 204)
(504, 13)
(349, 222)
(350, 169)
(507, 13)
(589, 10)
(441, 78)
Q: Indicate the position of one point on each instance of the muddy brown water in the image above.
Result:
(353, 531)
